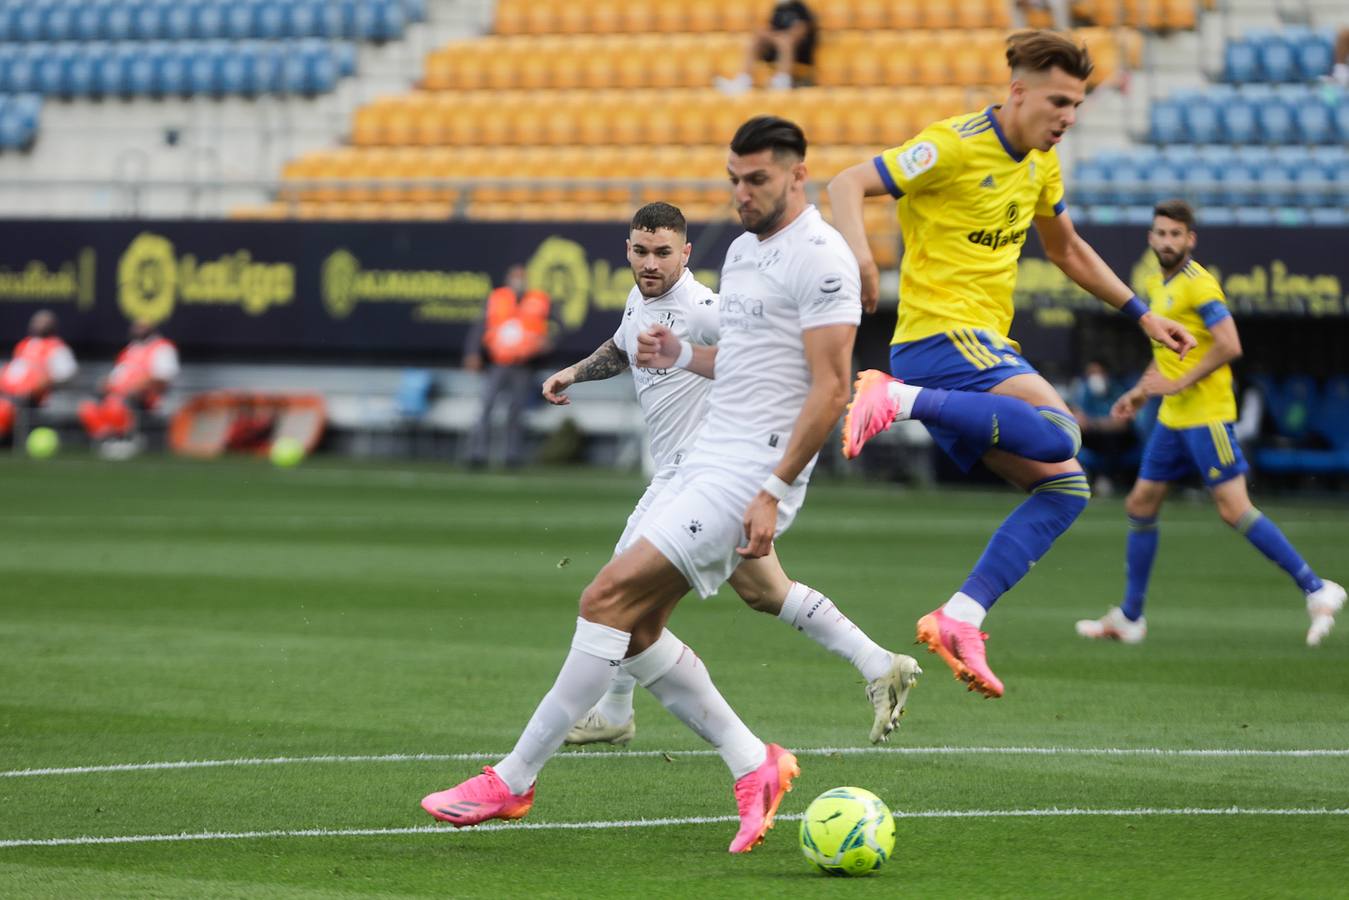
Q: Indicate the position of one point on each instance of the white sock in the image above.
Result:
(904, 395)
(817, 616)
(586, 673)
(679, 680)
(616, 706)
(964, 608)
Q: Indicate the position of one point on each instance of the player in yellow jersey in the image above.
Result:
(969, 189)
(1194, 434)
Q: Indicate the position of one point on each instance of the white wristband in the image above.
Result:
(775, 487)
(685, 356)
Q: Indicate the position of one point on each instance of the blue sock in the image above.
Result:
(1269, 540)
(1036, 432)
(1026, 535)
(1139, 552)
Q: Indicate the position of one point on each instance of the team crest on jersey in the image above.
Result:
(918, 159)
(817, 239)
(668, 319)
(769, 259)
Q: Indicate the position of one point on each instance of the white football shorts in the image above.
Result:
(698, 519)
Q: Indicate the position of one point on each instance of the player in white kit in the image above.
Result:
(674, 403)
(789, 313)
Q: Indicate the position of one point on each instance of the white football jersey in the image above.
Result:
(772, 291)
(673, 401)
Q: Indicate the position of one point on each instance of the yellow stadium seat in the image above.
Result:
(637, 18)
(833, 17)
(934, 64)
(606, 16)
(702, 15)
(744, 16)
(368, 128)
(510, 16)
(866, 64)
(904, 15)
(500, 68)
(573, 18)
(439, 72)
(939, 14)
(541, 17)
(467, 68)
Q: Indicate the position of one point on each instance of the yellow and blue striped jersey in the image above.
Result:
(965, 202)
(1193, 298)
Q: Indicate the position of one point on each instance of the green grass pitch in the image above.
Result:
(162, 611)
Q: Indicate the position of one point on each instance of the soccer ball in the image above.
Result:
(847, 831)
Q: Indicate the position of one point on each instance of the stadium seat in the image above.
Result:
(1312, 117)
(1203, 122)
(1239, 123)
(1277, 62)
(1241, 62)
(1276, 122)
(1314, 54)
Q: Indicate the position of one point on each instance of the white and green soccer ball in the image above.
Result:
(847, 831)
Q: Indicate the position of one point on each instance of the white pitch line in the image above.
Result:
(641, 754)
(1051, 812)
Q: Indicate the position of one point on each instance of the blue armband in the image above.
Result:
(1135, 308)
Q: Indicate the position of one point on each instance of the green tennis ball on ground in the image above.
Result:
(286, 452)
(43, 443)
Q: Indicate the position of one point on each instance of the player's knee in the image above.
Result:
(759, 600)
(602, 600)
(1236, 514)
(1141, 505)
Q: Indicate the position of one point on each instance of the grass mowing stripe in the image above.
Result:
(1216, 753)
(1051, 812)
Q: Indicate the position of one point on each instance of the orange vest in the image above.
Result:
(515, 331)
(26, 374)
(132, 374)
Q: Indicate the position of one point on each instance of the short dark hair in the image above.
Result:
(769, 133)
(658, 215)
(1178, 210)
(1041, 50)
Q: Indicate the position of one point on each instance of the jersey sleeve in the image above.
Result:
(1208, 300)
(829, 289)
(927, 162)
(704, 321)
(1051, 200)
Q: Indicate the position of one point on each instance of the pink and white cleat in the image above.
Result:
(758, 795)
(961, 645)
(872, 411)
(480, 798)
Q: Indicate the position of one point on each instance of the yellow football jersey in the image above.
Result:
(966, 201)
(1193, 298)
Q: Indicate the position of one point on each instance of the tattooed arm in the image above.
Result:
(606, 362)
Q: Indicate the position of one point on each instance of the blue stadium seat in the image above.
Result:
(80, 72)
(1167, 123)
(172, 60)
(109, 71)
(19, 121)
(1276, 121)
(148, 21)
(1340, 113)
(1138, 214)
(1203, 121)
(235, 71)
(1277, 62)
(89, 21)
(269, 20)
(1292, 217)
(294, 73)
(178, 20)
(390, 20)
(321, 71)
(1241, 62)
(22, 76)
(29, 23)
(266, 69)
(1314, 53)
(118, 22)
(304, 19)
(209, 23)
(1239, 122)
(1207, 175)
(59, 23)
(1312, 116)
(345, 54)
(142, 70)
(359, 19)
(8, 24)
(239, 21)
(203, 68)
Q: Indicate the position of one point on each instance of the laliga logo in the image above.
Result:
(152, 278)
(337, 281)
(146, 279)
(560, 268)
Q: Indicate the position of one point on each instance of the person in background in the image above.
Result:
(144, 370)
(788, 40)
(513, 332)
(1339, 71)
(1104, 439)
(41, 361)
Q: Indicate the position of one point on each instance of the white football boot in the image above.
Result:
(1321, 607)
(889, 693)
(596, 729)
(1115, 627)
